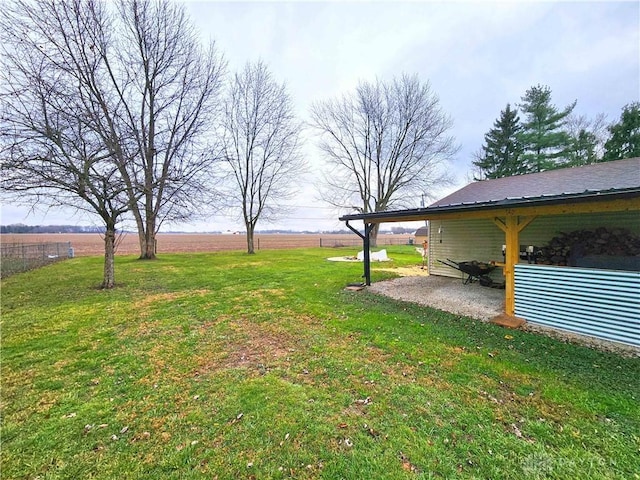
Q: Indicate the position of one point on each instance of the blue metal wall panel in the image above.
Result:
(600, 303)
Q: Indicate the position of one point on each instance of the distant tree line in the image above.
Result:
(20, 228)
(546, 137)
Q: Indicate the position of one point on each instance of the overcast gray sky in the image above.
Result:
(478, 56)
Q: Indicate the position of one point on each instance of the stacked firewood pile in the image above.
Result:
(603, 241)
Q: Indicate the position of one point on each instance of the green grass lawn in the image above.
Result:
(232, 366)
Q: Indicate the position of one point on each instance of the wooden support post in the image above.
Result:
(511, 226)
(512, 240)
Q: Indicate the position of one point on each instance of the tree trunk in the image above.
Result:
(109, 279)
(250, 247)
(373, 236)
(141, 230)
(148, 241)
(149, 251)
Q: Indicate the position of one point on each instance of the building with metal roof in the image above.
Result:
(492, 220)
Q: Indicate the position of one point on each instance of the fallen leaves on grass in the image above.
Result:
(407, 465)
(286, 437)
(516, 430)
(143, 436)
(373, 433)
(236, 419)
(518, 433)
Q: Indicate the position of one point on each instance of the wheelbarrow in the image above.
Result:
(475, 270)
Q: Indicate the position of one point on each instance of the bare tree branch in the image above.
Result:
(50, 152)
(136, 77)
(260, 145)
(383, 144)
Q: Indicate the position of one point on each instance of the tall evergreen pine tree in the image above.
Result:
(582, 150)
(500, 155)
(624, 141)
(544, 140)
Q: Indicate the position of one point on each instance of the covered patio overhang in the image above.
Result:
(510, 215)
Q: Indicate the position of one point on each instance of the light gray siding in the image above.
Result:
(463, 240)
(482, 240)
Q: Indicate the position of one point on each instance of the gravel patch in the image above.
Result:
(444, 293)
(482, 303)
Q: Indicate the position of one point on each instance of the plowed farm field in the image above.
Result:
(87, 244)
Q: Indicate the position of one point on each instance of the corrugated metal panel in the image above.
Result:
(463, 240)
(600, 303)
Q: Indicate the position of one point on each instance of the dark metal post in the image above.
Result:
(368, 227)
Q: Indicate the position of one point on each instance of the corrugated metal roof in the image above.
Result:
(596, 178)
(609, 180)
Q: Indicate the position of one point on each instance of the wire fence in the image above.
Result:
(20, 257)
(91, 244)
(354, 241)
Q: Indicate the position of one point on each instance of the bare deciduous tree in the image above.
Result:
(588, 137)
(170, 99)
(143, 86)
(384, 145)
(50, 153)
(260, 145)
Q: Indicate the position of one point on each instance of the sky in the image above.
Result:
(477, 56)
